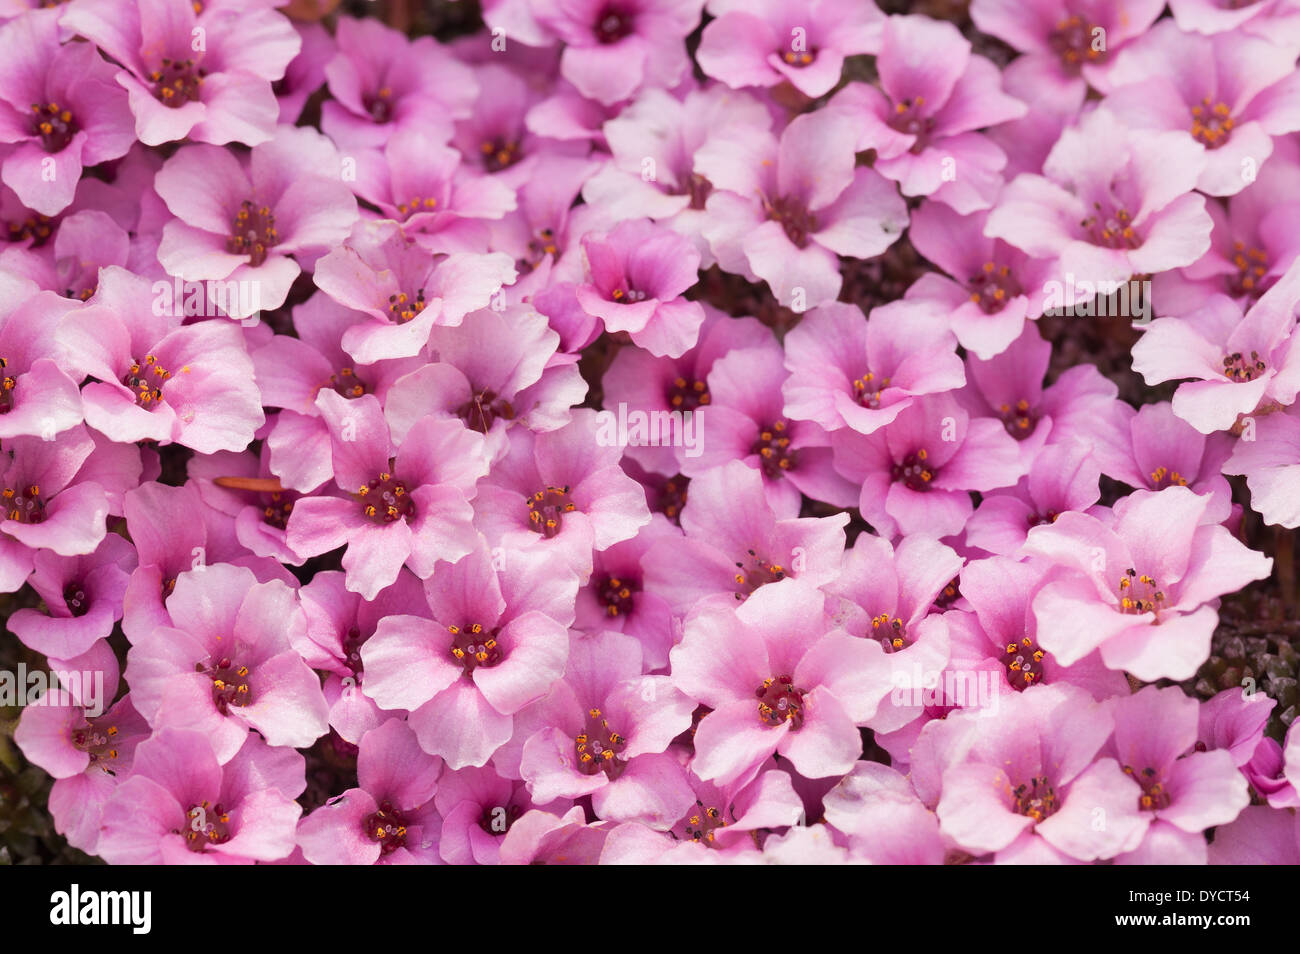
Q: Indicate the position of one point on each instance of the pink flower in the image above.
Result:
(384, 819)
(922, 122)
(770, 42)
(782, 210)
(200, 75)
(397, 504)
(60, 110)
(496, 642)
(1141, 590)
(181, 806)
(227, 663)
(242, 223)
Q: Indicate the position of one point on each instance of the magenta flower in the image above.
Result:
(493, 372)
(478, 807)
(82, 596)
(381, 82)
(922, 121)
(1064, 478)
(203, 75)
(1157, 449)
(1068, 44)
(497, 640)
(305, 73)
(993, 289)
(784, 209)
(736, 544)
(227, 663)
(1112, 203)
(637, 275)
(607, 734)
(1238, 365)
(882, 819)
(1260, 836)
(1183, 792)
(59, 110)
(1025, 785)
(917, 472)
(849, 372)
(397, 504)
(1243, 93)
(1140, 590)
(767, 43)
(156, 379)
(384, 819)
(405, 291)
(561, 493)
(778, 679)
(182, 806)
(240, 224)
(614, 47)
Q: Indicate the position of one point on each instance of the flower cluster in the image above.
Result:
(654, 431)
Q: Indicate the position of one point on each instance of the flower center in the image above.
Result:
(1023, 661)
(1139, 594)
(597, 747)
(908, 120)
(177, 83)
(402, 308)
(798, 58)
(1237, 369)
(483, 409)
(779, 702)
(702, 822)
(672, 498)
(499, 154)
(1036, 800)
(253, 233)
(347, 384)
(1252, 266)
(1162, 477)
(497, 819)
(773, 446)
(54, 124)
(146, 379)
(755, 574)
(993, 287)
(699, 189)
(7, 386)
(913, 471)
(612, 25)
(1153, 797)
(416, 204)
(889, 631)
(1111, 230)
(1019, 420)
(35, 228)
(380, 106)
(1211, 125)
(949, 594)
(1039, 519)
(24, 506)
(277, 510)
(1073, 42)
(627, 296)
(352, 643)
(74, 596)
(386, 826)
(229, 684)
(473, 647)
(616, 593)
(205, 825)
(99, 744)
(793, 216)
(866, 390)
(546, 510)
(686, 395)
(385, 500)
